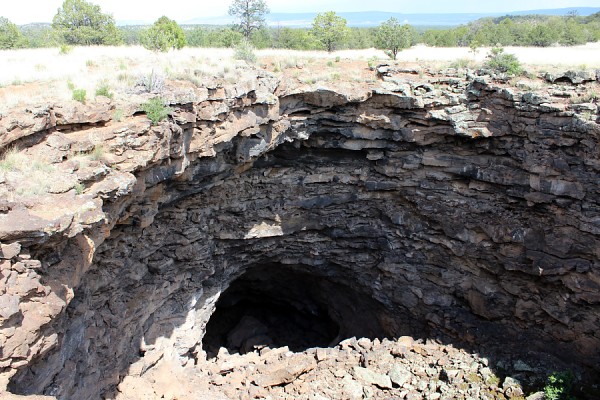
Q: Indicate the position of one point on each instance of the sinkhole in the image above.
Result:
(276, 306)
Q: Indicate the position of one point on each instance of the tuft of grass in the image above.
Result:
(79, 95)
(104, 90)
(29, 177)
(70, 85)
(64, 49)
(90, 64)
(12, 160)
(79, 188)
(156, 110)
(330, 63)
(462, 63)
(118, 115)
(98, 153)
(337, 59)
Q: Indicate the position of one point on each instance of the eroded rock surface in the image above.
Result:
(448, 208)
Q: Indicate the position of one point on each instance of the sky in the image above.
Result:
(27, 11)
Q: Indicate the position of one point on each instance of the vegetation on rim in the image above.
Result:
(329, 29)
(163, 36)
(79, 22)
(251, 15)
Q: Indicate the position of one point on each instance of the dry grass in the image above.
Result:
(26, 79)
(26, 176)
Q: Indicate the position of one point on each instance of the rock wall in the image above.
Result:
(466, 210)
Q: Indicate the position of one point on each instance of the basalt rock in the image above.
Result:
(451, 208)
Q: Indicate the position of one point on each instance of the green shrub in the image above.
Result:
(79, 188)
(104, 90)
(559, 386)
(163, 36)
(79, 95)
(503, 62)
(64, 49)
(156, 110)
(372, 62)
(118, 115)
(330, 63)
(245, 51)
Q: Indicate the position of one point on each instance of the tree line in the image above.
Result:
(79, 22)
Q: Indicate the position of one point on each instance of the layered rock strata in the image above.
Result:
(460, 209)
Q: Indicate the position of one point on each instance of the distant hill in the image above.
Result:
(374, 18)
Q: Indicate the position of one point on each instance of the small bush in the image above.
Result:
(118, 115)
(156, 110)
(11, 160)
(70, 85)
(503, 62)
(64, 49)
(90, 64)
(372, 62)
(152, 83)
(104, 90)
(79, 95)
(245, 51)
(330, 63)
(559, 386)
(79, 188)
(338, 59)
(462, 63)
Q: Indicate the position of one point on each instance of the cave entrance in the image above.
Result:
(276, 306)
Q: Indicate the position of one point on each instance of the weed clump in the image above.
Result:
(503, 62)
(79, 95)
(156, 110)
(559, 386)
(104, 90)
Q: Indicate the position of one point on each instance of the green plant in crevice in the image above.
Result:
(559, 386)
(156, 110)
(79, 188)
(98, 153)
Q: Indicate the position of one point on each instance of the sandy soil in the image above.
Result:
(34, 75)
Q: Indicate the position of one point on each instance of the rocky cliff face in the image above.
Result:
(440, 207)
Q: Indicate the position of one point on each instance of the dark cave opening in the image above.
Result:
(275, 306)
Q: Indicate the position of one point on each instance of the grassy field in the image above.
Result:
(34, 75)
